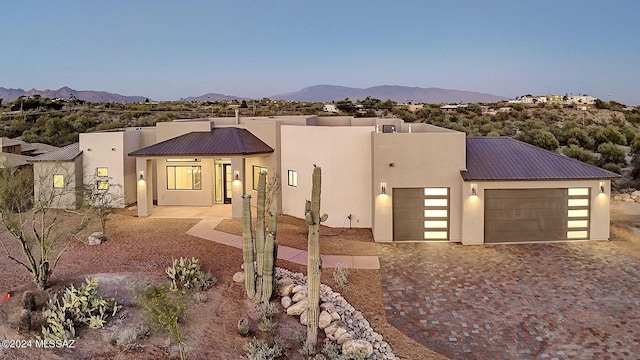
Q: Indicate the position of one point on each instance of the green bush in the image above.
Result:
(76, 307)
(261, 350)
(610, 153)
(188, 273)
(578, 153)
(162, 309)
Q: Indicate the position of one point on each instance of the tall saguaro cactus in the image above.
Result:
(259, 279)
(247, 247)
(313, 218)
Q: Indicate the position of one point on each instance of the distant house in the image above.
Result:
(330, 108)
(451, 108)
(414, 107)
(407, 182)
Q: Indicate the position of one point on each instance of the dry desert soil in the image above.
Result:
(137, 253)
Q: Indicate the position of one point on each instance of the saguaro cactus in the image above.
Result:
(247, 247)
(259, 280)
(313, 218)
(260, 231)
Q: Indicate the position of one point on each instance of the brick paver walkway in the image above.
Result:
(565, 301)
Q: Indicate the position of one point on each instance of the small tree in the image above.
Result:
(33, 222)
(101, 198)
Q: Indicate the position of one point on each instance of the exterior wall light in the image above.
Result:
(474, 188)
(383, 187)
(236, 175)
(141, 175)
(602, 186)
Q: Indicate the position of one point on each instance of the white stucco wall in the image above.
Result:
(203, 197)
(416, 160)
(473, 217)
(344, 153)
(67, 197)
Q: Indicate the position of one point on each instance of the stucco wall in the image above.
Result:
(344, 153)
(61, 198)
(416, 160)
(473, 217)
(170, 129)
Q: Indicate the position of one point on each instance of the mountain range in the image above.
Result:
(400, 94)
(64, 93)
(320, 93)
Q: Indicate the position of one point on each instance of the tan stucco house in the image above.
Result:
(408, 182)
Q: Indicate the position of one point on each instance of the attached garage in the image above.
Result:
(526, 215)
(520, 193)
(421, 214)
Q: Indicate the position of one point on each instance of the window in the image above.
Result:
(292, 178)
(58, 181)
(436, 213)
(102, 184)
(184, 178)
(102, 171)
(256, 174)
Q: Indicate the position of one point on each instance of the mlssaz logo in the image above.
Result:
(55, 344)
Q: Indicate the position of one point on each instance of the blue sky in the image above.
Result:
(166, 50)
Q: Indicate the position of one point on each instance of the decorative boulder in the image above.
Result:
(96, 238)
(297, 308)
(285, 301)
(303, 318)
(357, 347)
(324, 320)
(239, 277)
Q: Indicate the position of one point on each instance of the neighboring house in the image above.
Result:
(407, 182)
(330, 108)
(57, 178)
(414, 107)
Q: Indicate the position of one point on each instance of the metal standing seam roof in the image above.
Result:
(218, 141)
(67, 153)
(503, 158)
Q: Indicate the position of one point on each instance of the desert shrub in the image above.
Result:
(267, 310)
(333, 352)
(267, 325)
(261, 350)
(163, 310)
(613, 167)
(200, 297)
(188, 273)
(540, 138)
(128, 338)
(578, 153)
(341, 275)
(77, 306)
(28, 301)
(610, 153)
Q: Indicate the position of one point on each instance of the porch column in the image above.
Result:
(237, 186)
(144, 180)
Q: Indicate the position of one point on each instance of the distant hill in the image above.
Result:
(214, 97)
(65, 92)
(400, 94)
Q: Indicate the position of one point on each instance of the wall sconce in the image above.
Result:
(141, 175)
(602, 187)
(383, 187)
(236, 175)
(474, 189)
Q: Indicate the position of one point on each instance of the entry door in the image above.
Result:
(227, 181)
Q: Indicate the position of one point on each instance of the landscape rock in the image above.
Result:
(355, 347)
(96, 238)
(303, 318)
(239, 277)
(285, 301)
(297, 308)
(324, 320)
(286, 289)
(299, 296)
(344, 338)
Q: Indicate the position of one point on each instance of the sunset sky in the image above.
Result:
(167, 50)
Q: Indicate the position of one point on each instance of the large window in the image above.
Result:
(256, 174)
(58, 181)
(292, 178)
(102, 171)
(184, 178)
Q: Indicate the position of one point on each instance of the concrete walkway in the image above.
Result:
(211, 217)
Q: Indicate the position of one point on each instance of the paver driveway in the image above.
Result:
(529, 301)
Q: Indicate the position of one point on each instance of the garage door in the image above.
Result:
(523, 215)
(420, 214)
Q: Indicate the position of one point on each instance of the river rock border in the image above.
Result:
(340, 321)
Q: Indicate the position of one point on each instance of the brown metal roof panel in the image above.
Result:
(503, 158)
(218, 141)
(67, 153)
